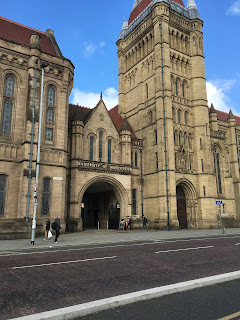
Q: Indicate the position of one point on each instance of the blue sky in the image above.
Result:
(87, 31)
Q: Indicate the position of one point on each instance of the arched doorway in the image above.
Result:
(101, 205)
(181, 208)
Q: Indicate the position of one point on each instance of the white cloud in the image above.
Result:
(234, 9)
(217, 94)
(90, 99)
(90, 47)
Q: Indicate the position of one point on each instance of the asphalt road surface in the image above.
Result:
(221, 301)
(33, 282)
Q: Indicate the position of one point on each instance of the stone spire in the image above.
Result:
(212, 109)
(193, 10)
(124, 29)
(231, 115)
(125, 125)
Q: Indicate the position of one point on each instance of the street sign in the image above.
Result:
(218, 202)
(58, 178)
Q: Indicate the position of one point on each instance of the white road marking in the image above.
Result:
(63, 262)
(113, 246)
(237, 244)
(186, 249)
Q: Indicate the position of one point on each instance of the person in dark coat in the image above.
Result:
(47, 225)
(144, 221)
(58, 227)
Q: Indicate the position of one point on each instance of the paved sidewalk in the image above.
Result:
(113, 236)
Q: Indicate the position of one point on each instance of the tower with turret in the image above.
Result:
(162, 93)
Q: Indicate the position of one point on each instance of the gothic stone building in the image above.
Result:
(161, 151)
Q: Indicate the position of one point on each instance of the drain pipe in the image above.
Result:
(164, 126)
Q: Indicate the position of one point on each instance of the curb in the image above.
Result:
(121, 300)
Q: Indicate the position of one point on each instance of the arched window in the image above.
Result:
(136, 159)
(3, 180)
(51, 96)
(179, 139)
(46, 196)
(91, 149)
(217, 169)
(186, 117)
(174, 115)
(189, 140)
(100, 145)
(176, 88)
(150, 116)
(179, 116)
(146, 90)
(185, 139)
(50, 113)
(183, 89)
(7, 105)
(109, 151)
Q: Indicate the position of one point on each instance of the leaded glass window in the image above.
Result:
(91, 149)
(51, 96)
(46, 196)
(134, 201)
(7, 117)
(109, 151)
(9, 86)
(3, 180)
(100, 145)
(7, 105)
(50, 116)
(49, 134)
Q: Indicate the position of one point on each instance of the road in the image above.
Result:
(33, 282)
(211, 303)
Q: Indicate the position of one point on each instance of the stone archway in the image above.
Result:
(186, 204)
(105, 199)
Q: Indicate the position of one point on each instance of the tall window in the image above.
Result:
(8, 104)
(131, 158)
(109, 151)
(179, 116)
(190, 162)
(183, 89)
(46, 196)
(134, 201)
(217, 170)
(136, 159)
(100, 145)
(50, 113)
(186, 116)
(146, 90)
(202, 165)
(156, 136)
(200, 143)
(156, 154)
(91, 149)
(176, 87)
(3, 180)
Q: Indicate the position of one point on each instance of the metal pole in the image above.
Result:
(164, 126)
(141, 181)
(220, 216)
(31, 145)
(44, 65)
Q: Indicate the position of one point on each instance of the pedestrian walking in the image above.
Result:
(144, 221)
(47, 228)
(129, 222)
(58, 227)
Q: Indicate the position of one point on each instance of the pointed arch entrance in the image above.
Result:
(186, 204)
(102, 200)
(181, 208)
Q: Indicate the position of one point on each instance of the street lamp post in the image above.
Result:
(43, 65)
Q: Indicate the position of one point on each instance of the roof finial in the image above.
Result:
(101, 95)
(191, 4)
(231, 115)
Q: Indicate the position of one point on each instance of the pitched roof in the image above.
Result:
(141, 6)
(223, 116)
(20, 34)
(82, 114)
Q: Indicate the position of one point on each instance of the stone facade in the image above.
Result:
(161, 151)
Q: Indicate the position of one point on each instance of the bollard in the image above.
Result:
(107, 224)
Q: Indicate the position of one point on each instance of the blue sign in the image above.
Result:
(219, 202)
